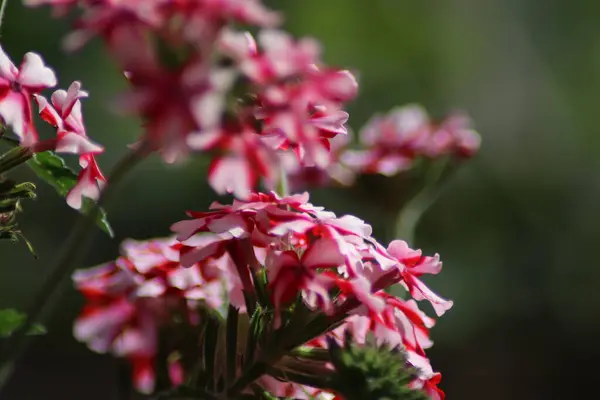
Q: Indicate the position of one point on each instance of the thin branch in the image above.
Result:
(2, 9)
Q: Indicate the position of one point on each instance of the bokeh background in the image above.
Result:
(517, 227)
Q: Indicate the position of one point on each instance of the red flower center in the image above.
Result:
(16, 87)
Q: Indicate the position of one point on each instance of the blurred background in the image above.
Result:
(516, 228)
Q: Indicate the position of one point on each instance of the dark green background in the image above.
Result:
(517, 228)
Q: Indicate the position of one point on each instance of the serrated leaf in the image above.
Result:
(11, 319)
(52, 169)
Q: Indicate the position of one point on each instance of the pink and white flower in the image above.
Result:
(17, 87)
(64, 113)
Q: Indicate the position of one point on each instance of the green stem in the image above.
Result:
(14, 157)
(2, 9)
(70, 255)
(283, 187)
(411, 213)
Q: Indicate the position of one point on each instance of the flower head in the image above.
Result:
(145, 290)
(391, 143)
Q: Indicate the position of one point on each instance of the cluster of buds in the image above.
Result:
(299, 272)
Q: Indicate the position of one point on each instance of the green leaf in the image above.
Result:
(52, 169)
(11, 319)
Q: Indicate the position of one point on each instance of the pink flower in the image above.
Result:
(391, 143)
(177, 104)
(304, 252)
(243, 161)
(297, 102)
(413, 265)
(454, 135)
(289, 274)
(60, 6)
(301, 176)
(203, 19)
(64, 113)
(129, 300)
(292, 390)
(90, 182)
(281, 57)
(304, 116)
(308, 250)
(114, 19)
(430, 386)
(17, 86)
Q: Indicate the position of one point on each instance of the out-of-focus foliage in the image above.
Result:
(516, 227)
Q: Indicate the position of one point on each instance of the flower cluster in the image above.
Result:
(332, 265)
(274, 270)
(388, 145)
(144, 291)
(392, 142)
(18, 88)
(200, 86)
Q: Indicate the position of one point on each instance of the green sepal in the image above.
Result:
(371, 372)
(11, 319)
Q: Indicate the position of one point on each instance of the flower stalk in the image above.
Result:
(14, 157)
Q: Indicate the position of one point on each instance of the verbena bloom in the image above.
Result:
(179, 91)
(298, 101)
(414, 264)
(301, 176)
(392, 142)
(64, 113)
(128, 301)
(174, 104)
(17, 86)
(310, 252)
(331, 264)
(198, 86)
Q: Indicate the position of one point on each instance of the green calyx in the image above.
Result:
(371, 372)
(11, 194)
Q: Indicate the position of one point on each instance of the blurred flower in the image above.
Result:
(301, 176)
(391, 143)
(128, 301)
(175, 104)
(297, 103)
